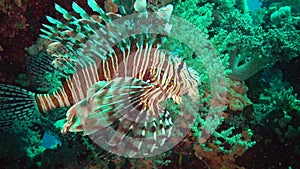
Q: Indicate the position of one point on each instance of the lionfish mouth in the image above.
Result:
(119, 80)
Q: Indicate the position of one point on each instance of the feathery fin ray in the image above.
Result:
(17, 106)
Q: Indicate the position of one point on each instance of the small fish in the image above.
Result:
(123, 86)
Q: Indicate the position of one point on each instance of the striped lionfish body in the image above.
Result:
(115, 83)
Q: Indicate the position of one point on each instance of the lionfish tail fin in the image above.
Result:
(17, 106)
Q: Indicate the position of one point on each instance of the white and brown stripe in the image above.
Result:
(146, 62)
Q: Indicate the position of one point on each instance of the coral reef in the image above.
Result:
(260, 105)
(281, 107)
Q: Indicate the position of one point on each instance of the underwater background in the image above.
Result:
(258, 44)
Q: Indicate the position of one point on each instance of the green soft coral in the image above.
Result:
(253, 45)
(201, 16)
(247, 42)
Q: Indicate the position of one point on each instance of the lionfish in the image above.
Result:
(108, 82)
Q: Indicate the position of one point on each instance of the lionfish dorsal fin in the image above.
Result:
(88, 37)
(73, 31)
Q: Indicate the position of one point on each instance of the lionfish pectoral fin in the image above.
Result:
(119, 99)
(75, 114)
(95, 88)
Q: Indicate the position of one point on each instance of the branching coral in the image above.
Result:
(219, 157)
(281, 108)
